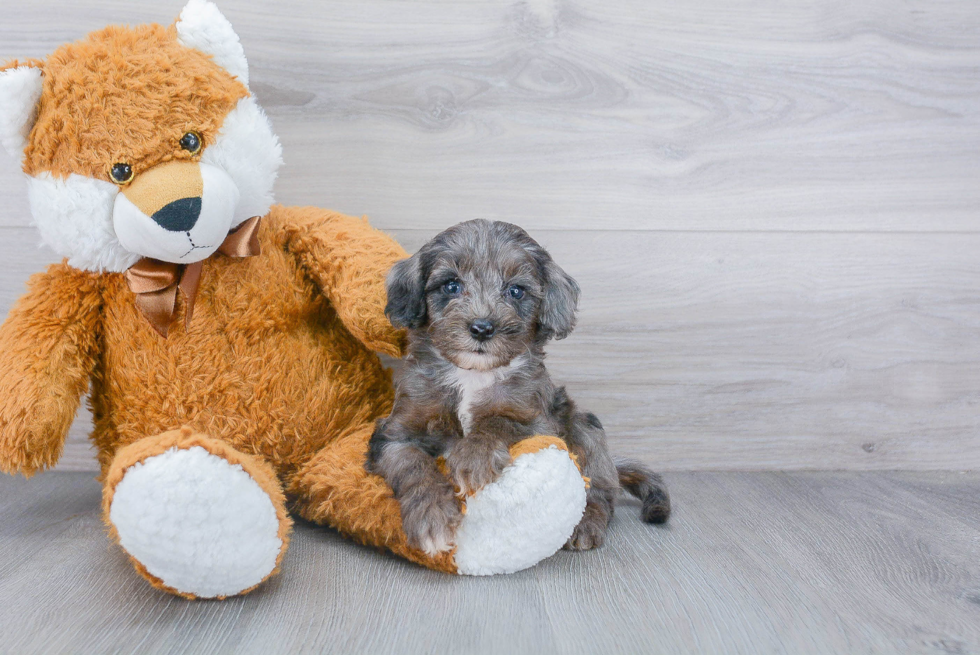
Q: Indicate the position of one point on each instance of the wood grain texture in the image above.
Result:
(757, 350)
(772, 210)
(620, 115)
(750, 563)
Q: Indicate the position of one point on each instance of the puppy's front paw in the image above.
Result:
(591, 531)
(475, 463)
(430, 517)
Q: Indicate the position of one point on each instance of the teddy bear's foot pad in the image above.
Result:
(524, 516)
(199, 524)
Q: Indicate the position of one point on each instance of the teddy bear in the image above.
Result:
(229, 346)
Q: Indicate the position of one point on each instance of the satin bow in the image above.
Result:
(156, 283)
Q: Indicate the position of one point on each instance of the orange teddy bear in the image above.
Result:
(229, 343)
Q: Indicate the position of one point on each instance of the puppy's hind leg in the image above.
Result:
(649, 487)
(587, 440)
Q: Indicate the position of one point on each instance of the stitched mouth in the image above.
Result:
(193, 246)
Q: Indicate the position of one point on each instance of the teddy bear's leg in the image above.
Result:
(524, 516)
(334, 489)
(197, 517)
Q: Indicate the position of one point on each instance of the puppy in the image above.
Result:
(480, 302)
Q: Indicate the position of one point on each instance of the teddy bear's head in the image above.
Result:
(141, 142)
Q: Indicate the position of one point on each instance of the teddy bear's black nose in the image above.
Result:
(180, 215)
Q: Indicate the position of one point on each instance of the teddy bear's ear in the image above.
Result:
(20, 90)
(202, 27)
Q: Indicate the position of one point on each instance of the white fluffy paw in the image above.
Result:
(201, 525)
(524, 516)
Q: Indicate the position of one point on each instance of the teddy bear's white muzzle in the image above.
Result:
(177, 212)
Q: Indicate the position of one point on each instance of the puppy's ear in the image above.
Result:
(405, 285)
(557, 315)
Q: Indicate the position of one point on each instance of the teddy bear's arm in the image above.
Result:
(48, 349)
(348, 259)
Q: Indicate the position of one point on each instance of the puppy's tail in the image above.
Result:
(649, 487)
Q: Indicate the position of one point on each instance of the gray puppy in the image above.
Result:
(480, 301)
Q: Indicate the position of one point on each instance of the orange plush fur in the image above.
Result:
(277, 363)
(278, 368)
(130, 74)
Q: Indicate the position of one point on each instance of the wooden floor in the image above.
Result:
(870, 562)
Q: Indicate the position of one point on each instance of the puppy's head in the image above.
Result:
(482, 293)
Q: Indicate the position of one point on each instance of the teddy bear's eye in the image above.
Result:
(191, 142)
(121, 173)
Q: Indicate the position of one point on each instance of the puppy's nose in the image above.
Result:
(481, 329)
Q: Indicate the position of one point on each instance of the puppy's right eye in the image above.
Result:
(452, 288)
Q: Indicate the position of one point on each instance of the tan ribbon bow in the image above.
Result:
(155, 283)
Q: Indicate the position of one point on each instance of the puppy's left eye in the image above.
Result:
(452, 288)
(515, 292)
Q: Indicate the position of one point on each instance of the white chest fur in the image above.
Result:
(470, 383)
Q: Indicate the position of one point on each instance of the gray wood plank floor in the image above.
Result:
(874, 562)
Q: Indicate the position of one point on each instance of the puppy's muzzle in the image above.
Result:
(482, 329)
(170, 194)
